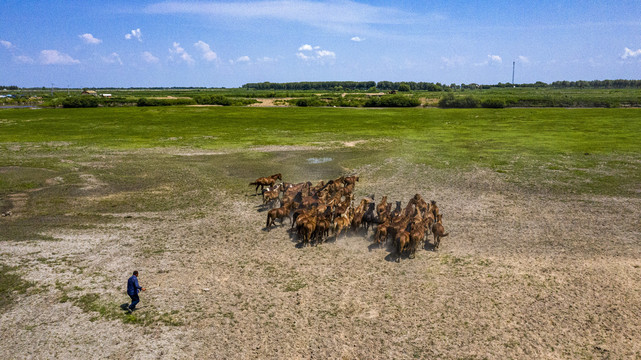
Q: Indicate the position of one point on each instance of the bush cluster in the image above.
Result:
(451, 101)
(165, 102)
(222, 100)
(493, 103)
(81, 102)
(392, 101)
(346, 101)
(308, 101)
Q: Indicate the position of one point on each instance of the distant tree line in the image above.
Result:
(429, 86)
(10, 87)
(599, 84)
(312, 85)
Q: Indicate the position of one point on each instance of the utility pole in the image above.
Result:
(513, 66)
(51, 89)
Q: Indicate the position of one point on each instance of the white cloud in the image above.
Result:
(357, 39)
(326, 54)
(266, 59)
(302, 56)
(54, 57)
(89, 39)
(314, 53)
(208, 54)
(524, 59)
(491, 60)
(181, 53)
(113, 58)
(149, 57)
(242, 59)
(495, 59)
(24, 59)
(629, 53)
(453, 61)
(134, 34)
(7, 44)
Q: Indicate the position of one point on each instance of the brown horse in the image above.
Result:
(402, 243)
(322, 228)
(342, 222)
(309, 227)
(279, 213)
(381, 232)
(380, 208)
(438, 231)
(434, 209)
(417, 236)
(350, 180)
(430, 220)
(266, 181)
(358, 214)
(420, 204)
(271, 194)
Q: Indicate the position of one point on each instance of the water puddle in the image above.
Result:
(319, 160)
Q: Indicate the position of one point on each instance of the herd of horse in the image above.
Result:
(315, 210)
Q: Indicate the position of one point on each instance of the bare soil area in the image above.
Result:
(521, 275)
(271, 102)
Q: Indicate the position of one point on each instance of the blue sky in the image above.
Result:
(229, 43)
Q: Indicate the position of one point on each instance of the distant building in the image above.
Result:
(106, 95)
(89, 92)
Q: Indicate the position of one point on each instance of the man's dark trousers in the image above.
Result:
(134, 301)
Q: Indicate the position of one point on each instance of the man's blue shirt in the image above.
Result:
(132, 285)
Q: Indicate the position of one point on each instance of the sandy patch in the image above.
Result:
(271, 102)
(522, 275)
(354, 143)
(169, 97)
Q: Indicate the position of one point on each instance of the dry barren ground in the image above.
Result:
(522, 275)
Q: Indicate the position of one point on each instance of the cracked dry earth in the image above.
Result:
(522, 275)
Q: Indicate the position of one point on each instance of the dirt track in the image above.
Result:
(522, 275)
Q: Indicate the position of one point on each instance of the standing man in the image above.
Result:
(132, 290)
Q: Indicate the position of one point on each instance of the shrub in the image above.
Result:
(212, 100)
(80, 102)
(222, 100)
(309, 101)
(347, 101)
(404, 87)
(451, 101)
(493, 103)
(392, 101)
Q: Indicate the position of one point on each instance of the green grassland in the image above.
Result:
(585, 150)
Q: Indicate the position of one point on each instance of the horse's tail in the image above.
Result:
(268, 218)
(444, 235)
(253, 183)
